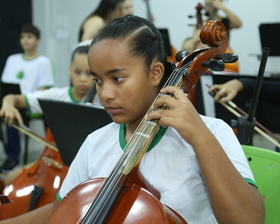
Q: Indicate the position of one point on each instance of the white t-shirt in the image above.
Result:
(170, 166)
(55, 93)
(29, 74)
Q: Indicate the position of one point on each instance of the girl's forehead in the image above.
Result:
(110, 43)
(109, 48)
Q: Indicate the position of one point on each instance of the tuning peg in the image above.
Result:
(214, 65)
(181, 54)
(227, 57)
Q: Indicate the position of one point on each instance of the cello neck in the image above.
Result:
(90, 94)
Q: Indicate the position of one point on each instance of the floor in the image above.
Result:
(35, 148)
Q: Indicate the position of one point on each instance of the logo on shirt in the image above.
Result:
(20, 75)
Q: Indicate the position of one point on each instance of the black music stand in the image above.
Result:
(270, 35)
(166, 41)
(70, 123)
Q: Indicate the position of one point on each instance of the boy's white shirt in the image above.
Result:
(38, 72)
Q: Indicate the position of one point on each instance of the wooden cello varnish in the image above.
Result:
(37, 185)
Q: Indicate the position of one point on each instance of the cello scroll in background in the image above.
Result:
(125, 196)
(193, 43)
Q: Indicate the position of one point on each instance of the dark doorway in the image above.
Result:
(13, 15)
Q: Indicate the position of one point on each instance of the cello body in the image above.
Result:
(35, 186)
(135, 205)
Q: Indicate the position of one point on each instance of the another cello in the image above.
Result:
(125, 196)
(37, 184)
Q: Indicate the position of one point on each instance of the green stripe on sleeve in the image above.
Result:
(251, 182)
(58, 198)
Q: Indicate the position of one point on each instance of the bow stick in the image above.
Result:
(28, 132)
(235, 109)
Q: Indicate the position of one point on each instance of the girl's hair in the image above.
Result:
(143, 38)
(81, 48)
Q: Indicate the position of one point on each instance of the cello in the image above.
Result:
(125, 196)
(38, 183)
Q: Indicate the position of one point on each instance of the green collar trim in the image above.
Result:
(71, 95)
(156, 139)
(29, 59)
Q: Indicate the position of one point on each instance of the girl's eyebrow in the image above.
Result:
(92, 73)
(116, 70)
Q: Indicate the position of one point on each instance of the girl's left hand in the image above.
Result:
(181, 114)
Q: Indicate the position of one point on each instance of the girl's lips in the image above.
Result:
(83, 87)
(113, 110)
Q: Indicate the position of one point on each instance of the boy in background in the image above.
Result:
(31, 72)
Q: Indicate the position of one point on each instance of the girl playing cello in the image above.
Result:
(195, 162)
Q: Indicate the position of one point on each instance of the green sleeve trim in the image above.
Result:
(250, 181)
(27, 105)
(29, 112)
(58, 198)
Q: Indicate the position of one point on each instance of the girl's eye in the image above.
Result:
(118, 79)
(97, 80)
(77, 72)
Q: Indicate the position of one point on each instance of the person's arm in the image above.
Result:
(235, 21)
(9, 110)
(233, 200)
(227, 91)
(37, 216)
(91, 27)
(270, 90)
(194, 42)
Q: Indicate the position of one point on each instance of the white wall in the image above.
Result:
(59, 21)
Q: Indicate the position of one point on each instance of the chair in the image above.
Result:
(265, 165)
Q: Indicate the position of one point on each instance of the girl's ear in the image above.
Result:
(157, 72)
